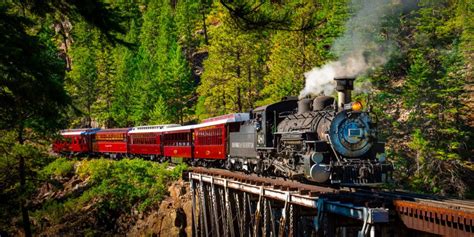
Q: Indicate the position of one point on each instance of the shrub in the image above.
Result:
(59, 167)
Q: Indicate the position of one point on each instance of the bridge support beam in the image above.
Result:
(230, 208)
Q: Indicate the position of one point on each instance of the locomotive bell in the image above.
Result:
(344, 85)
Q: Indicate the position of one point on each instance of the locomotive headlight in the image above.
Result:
(356, 106)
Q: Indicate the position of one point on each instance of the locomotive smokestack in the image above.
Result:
(344, 85)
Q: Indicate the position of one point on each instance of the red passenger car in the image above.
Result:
(146, 140)
(177, 142)
(210, 141)
(74, 141)
(110, 141)
(210, 137)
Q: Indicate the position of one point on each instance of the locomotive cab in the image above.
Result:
(266, 119)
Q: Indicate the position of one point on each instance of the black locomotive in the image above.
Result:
(311, 139)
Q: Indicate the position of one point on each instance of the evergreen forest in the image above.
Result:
(124, 63)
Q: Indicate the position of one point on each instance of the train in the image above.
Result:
(316, 140)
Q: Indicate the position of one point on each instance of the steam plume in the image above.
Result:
(360, 48)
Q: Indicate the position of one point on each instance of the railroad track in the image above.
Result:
(276, 183)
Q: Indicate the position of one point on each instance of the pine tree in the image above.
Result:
(233, 75)
(32, 95)
(82, 79)
(181, 84)
(186, 17)
(127, 92)
(148, 66)
(106, 83)
(164, 73)
(33, 101)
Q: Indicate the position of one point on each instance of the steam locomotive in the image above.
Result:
(315, 140)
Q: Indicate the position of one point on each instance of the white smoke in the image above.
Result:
(359, 50)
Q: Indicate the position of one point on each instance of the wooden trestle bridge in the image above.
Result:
(233, 204)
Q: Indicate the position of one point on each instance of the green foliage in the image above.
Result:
(232, 78)
(127, 90)
(82, 80)
(295, 52)
(11, 192)
(425, 84)
(59, 167)
(115, 187)
(33, 99)
(265, 15)
(148, 83)
(247, 68)
(126, 182)
(32, 92)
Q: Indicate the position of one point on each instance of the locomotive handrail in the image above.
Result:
(285, 113)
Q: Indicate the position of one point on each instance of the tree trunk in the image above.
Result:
(89, 116)
(238, 72)
(249, 78)
(303, 52)
(204, 27)
(223, 100)
(239, 100)
(22, 171)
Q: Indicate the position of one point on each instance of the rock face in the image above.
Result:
(173, 218)
(61, 190)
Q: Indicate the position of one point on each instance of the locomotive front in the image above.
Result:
(335, 143)
(352, 132)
